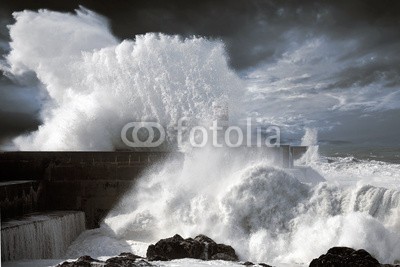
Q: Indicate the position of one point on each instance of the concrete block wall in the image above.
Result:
(20, 197)
(95, 182)
(92, 182)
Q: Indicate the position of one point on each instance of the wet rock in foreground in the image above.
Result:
(200, 247)
(123, 260)
(346, 257)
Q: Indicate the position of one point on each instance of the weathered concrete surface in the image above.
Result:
(20, 197)
(92, 182)
(36, 165)
(40, 235)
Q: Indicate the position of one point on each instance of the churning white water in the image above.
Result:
(95, 84)
(264, 212)
(43, 236)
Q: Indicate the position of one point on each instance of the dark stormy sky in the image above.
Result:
(343, 56)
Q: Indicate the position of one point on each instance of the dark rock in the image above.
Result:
(201, 247)
(169, 248)
(248, 263)
(126, 262)
(343, 251)
(345, 257)
(210, 247)
(130, 255)
(194, 248)
(204, 239)
(228, 250)
(83, 261)
(264, 265)
(158, 258)
(87, 258)
(125, 259)
(120, 261)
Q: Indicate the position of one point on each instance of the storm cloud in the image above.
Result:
(330, 56)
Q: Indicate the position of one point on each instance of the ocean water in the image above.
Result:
(96, 83)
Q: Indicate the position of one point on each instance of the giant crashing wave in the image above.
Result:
(95, 84)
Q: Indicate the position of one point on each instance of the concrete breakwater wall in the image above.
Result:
(40, 236)
(19, 197)
(87, 181)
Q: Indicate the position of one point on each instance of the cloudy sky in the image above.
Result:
(332, 65)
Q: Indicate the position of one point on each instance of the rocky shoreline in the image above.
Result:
(204, 248)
